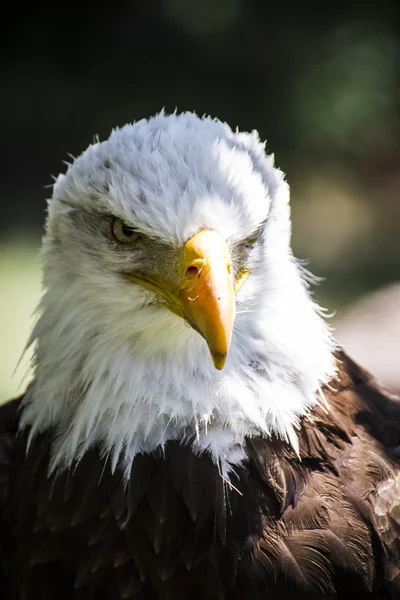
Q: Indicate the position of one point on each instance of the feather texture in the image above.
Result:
(321, 525)
(102, 347)
(139, 471)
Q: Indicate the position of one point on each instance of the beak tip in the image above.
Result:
(219, 359)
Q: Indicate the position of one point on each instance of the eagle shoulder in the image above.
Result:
(339, 529)
(379, 418)
(8, 434)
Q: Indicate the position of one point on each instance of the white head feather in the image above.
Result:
(113, 369)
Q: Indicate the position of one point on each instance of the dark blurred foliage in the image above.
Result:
(319, 80)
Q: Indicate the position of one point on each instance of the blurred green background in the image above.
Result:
(319, 81)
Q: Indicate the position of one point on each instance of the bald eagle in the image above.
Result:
(192, 431)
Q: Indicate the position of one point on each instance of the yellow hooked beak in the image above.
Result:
(205, 296)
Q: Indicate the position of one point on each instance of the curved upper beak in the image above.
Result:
(207, 292)
(205, 295)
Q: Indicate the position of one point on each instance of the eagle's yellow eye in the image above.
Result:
(124, 233)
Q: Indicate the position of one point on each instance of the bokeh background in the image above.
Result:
(320, 82)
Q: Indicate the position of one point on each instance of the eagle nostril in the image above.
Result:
(191, 272)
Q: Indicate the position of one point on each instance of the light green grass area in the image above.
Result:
(20, 282)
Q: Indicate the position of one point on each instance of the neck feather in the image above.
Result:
(131, 395)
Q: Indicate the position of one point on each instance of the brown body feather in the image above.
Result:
(323, 526)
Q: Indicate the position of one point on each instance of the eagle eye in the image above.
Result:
(124, 233)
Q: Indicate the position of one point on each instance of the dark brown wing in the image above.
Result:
(378, 415)
(324, 526)
(8, 431)
(339, 533)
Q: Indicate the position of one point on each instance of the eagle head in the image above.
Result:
(173, 307)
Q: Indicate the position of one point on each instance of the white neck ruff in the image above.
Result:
(131, 396)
